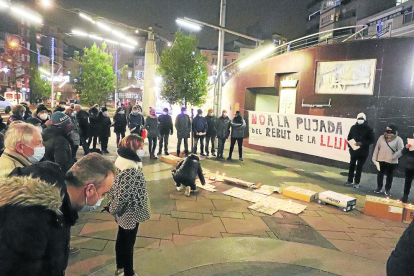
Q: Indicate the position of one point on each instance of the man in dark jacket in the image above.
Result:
(37, 220)
(105, 132)
(409, 171)
(17, 114)
(186, 173)
(364, 137)
(200, 130)
(57, 141)
(94, 127)
(27, 113)
(400, 263)
(42, 113)
(183, 127)
(166, 129)
(223, 132)
(238, 125)
(136, 121)
(61, 107)
(83, 120)
(211, 132)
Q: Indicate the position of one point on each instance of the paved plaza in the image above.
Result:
(213, 234)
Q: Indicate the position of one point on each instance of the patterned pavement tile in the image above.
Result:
(368, 251)
(335, 235)
(372, 233)
(178, 239)
(199, 206)
(186, 215)
(100, 229)
(329, 174)
(162, 229)
(209, 227)
(89, 243)
(251, 226)
(328, 223)
(143, 242)
(224, 214)
(232, 206)
(363, 222)
(388, 244)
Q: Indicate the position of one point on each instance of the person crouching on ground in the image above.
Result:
(364, 137)
(186, 174)
(128, 201)
(387, 152)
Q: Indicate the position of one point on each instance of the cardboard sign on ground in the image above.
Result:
(171, 159)
(384, 208)
(343, 202)
(267, 190)
(300, 194)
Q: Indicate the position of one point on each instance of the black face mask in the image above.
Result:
(390, 132)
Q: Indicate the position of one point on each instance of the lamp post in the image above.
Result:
(52, 56)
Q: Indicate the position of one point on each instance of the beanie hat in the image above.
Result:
(33, 121)
(60, 119)
(238, 113)
(41, 107)
(393, 128)
(199, 111)
(362, 115)
(183, 109)
(104, 109)
(94, 111)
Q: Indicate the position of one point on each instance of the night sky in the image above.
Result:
(285, 17)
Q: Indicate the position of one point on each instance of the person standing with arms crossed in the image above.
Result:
(151, 125)
(166, 129)
(211, 132)
(199, 130)
(183, 127)
(223, 132)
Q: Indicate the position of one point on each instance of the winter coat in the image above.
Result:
(83, 120)
(409, 155)
(128, 198)
(151, 125)
(59, 109)
(43, 124)
(211, 126)
(14, 117)
(166, 124)
(363, 134)
(120, 123)
(223, 127)
(136, 121)
(188, 170)
(383, 152)
(34, 237)
(237, 129)
(27, 113)
(10, 160)
(183, 126)
(57, 147)
(95, 125)
(105, 124)
(128, 110)
(400, 263)
(75, 133)
(200, 124)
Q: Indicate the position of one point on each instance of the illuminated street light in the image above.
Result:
(169, 44)
(3, 5)
(46, 3)
(256, 57)
(118, 34)
(96, 37)
(26, 14)
(136, 31)
(13, 44)
(76, 32)
(111, 41)
(63, 83)
(87, 17)
(44, 72)
(132, 41)
(127, 46)
(188, 24)
(99, 38)
(103, 26)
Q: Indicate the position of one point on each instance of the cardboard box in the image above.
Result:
(343, 202)
(384, 208)
(300, 193)
(408, 213)
(239, 182)
(171, 159)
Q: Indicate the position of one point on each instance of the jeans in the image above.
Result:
(358, 163)
(212, 139)
(196, 139)
(239, 143)
(152, 144)
(163, 140)
(104, 143)
(178, 184)
(185, 145)
(124, 249)
(220, 149)
(385, 169)
(85, 144)
(93, 139)
(118, 137)
(409, 175)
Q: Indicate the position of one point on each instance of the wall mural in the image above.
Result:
(354, 77)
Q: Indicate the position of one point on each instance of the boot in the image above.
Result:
(159, 152)
(178, 153)
(153, 154)
(186, 153)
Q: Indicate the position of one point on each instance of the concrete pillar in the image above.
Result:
(149, 99)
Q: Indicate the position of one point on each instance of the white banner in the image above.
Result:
(314, 135)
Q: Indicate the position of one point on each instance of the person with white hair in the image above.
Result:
(23, 145)
(363, 135)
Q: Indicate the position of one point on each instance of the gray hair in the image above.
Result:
(19, 132)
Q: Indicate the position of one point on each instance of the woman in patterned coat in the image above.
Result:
(128, 201)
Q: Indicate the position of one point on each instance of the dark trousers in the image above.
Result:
(409, 176)
(386, 169)
(212, 140)
(220, 149)
(356, 162)
(239, 143)
(152, 144)
(185, 144)
(118, 137)
(93, 139)
(178, 184)
(124, 249)
(85, 144)
(74, 151)
(104, 142)
(163, 140)
(196, 139)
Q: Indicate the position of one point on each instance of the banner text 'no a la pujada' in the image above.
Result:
(314, 135)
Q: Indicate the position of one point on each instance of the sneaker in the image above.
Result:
(179, 189)
(119, 272)
(204, 155)
(208, 154)
(166, 153)
(228, 158)
(214, 154)
(105, 151)
(378, 191)
(159, 153)
(356, 186)
(240, 159)
(387, 193)
(404, 199)
(187, 191)
(73, 250)
(348, 184)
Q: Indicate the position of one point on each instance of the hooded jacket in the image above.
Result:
(238, 125)
(151, 125)
(58, 147)
(33, 236)
(128, 198)
(83, 120)
(105, 123)
(183, 126)
(14, 117)
(363, 134)
(120, 123)
(188, 170)
(223, 127)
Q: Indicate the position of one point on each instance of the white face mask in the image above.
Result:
(360, 121)
(185, 112)
(141, 153)
(224, 114)
(105, 113)
(165, 113)
(121, 112)
(38, 154)
(43, 116)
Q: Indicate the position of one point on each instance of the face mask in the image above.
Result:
(389, 132)
(135, 112)
(105, 113)
(87, 208)
(121, 112)
(361, 122)
(211, 114)
(141, 153)
(38, 154)
(165, 113)
(224, 114)
(74, 113)
(185, 112)
(43, 116)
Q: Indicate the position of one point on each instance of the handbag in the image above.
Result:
(144, 133)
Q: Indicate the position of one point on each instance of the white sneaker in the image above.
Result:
(179, 189)
(119, 272)
(187, 191)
